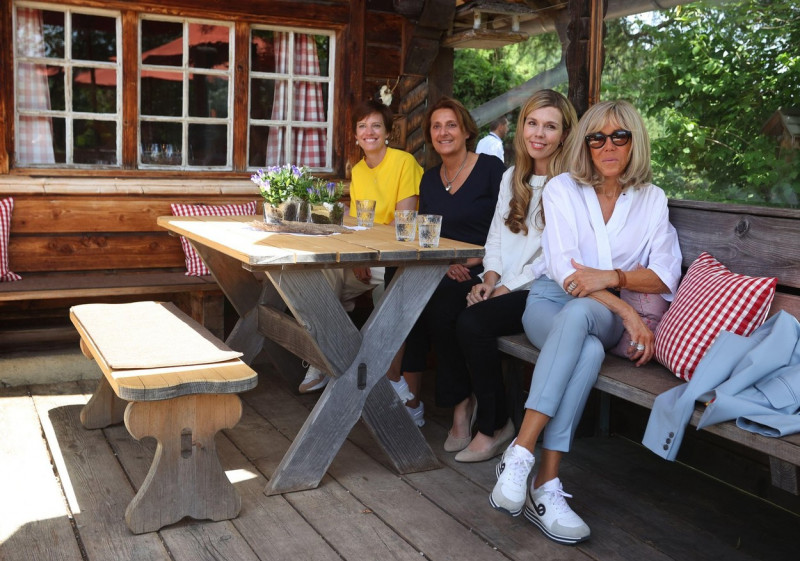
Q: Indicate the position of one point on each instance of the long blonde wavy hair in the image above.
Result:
(525, 166)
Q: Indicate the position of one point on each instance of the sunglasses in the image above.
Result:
(597, 139)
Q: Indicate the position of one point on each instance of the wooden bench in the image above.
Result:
(181, 405)
(748, 240)
(72, 246)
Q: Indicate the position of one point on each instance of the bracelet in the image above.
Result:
(621, 280)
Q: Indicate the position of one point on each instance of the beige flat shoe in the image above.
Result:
(499, 445)
(454, 444)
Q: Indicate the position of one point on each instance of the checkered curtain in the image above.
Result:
(34, 133)
(308, 105)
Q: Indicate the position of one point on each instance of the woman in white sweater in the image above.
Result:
(513, 259)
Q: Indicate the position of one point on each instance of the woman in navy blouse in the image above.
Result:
(463, 189)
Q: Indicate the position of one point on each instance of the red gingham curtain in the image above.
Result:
(34, 133)
(309, 105)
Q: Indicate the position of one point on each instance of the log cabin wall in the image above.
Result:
(371, 42)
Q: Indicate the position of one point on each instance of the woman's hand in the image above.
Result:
(458, 273)
(586, 280)
(363, 274)
(642, 346)
(484, 291)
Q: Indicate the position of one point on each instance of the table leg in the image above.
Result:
(245, 290)
(363, 359)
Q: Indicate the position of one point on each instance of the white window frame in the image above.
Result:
(291, 78)
(68, 64)
(185, 119)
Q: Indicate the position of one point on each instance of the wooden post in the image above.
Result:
(585, 53)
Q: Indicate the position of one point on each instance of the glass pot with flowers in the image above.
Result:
(284, 190)
(324, 198)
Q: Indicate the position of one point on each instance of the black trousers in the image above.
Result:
(478, 328)
(436, 327)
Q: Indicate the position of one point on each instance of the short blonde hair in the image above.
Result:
(638, 172)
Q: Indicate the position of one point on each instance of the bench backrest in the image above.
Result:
(90, 233)
(755, 241)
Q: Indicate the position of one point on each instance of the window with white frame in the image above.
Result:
(69, 101)
(291, 85)
(67, 86)
(185, 94)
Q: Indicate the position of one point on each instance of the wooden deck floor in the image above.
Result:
(64, 490)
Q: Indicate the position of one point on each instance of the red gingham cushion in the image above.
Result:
(710, 299)
(6, 206)
(194, 265)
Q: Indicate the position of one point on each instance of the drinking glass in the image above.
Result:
(430, 227)
(405, 225)
(365, 212)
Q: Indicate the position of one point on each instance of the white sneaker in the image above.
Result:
(417, 413)
(314, 381)
(402, 390)
(547, 508)
(513, 470)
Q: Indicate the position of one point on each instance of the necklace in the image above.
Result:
(450, 181)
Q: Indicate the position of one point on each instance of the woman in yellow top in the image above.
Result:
(388, 176)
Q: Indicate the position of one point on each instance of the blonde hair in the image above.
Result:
(579, 159)
(525, 166)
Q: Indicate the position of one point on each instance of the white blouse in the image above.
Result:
(638, 232)
(517, 258)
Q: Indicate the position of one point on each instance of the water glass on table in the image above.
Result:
(365, 213)
(405, 225)
(430, 227)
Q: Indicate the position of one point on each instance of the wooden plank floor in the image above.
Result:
(64, 490)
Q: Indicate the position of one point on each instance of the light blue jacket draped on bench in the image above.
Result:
(755, 380)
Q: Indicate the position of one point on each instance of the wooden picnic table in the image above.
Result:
(241, 258)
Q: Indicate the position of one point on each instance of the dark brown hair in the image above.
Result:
(465, 120)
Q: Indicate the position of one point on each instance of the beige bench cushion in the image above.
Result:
(149, 335)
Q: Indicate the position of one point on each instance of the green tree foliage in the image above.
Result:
(707, 77)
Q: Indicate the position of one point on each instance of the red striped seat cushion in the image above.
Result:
(194, 265)
(6, 206)
(710, 299)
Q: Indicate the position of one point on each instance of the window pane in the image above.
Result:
(323, 53)
(262, 52)
(208, 145)
(209, 46)
(257, 151)
(162, 42)
(276, 146)
(307, 59)
(262, 96)
(161, 93)
(40, 33)
(94, 90)
(310, 146)
(36, 142)
(310, 102)
(95, 142)
(208, 96)
(39, 87)
(160, 144)
(94, 38)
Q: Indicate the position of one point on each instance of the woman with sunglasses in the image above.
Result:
(607, 228)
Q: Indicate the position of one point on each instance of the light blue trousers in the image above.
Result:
(572, 334)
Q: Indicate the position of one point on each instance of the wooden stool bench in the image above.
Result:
(167, 377)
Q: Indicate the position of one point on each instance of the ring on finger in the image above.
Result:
(639, 347)
(571, 286)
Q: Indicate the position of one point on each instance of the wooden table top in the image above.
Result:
(260, 250)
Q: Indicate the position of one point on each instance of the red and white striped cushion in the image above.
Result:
(6, 206)
(194, 265)
(710, 299)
